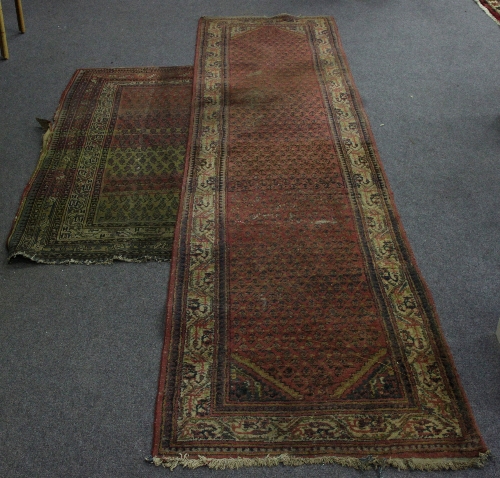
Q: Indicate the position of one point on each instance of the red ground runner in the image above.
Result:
(299, 329)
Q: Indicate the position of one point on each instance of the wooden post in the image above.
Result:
(3, 38)
(20, 16)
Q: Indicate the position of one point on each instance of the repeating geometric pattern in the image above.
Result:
(297, 321)
(108, 180)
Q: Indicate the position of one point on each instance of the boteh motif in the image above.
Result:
(298, 327)
(108, 180)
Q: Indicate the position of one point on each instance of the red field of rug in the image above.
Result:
(299, 329)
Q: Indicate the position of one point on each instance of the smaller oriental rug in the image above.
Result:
(491, 7)
(299, 329)
(108, 179)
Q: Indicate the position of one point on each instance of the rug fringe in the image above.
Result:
(87, 262)
(421, 464)
(48, 132)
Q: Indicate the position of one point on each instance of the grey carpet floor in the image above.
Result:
(80, 345)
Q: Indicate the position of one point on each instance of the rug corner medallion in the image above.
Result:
(298, 329)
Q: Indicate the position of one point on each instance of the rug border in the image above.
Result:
(46, 142)
(403, 463)
(492, 13)
(173, 261)
(402, 232)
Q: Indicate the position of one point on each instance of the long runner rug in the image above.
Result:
(491, 7)
(108, 180)
(299, 329)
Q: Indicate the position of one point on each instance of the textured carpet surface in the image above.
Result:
(81, 344)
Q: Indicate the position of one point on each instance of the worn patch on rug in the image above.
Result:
(108, 181)
(491, 7)
(299, 329)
